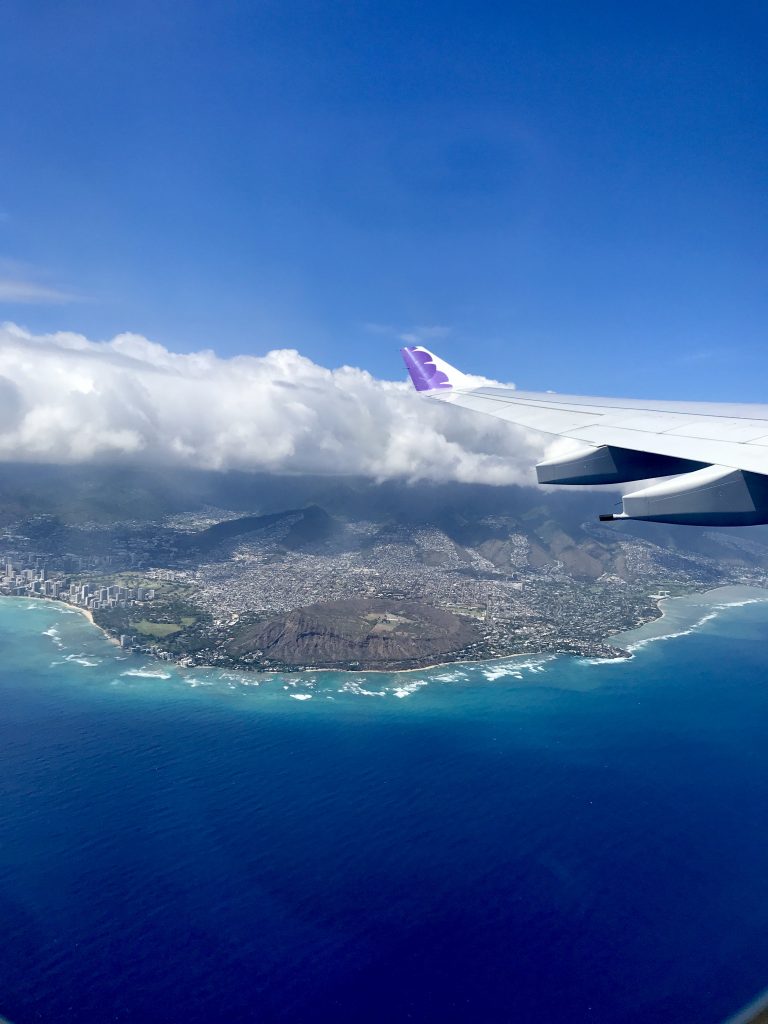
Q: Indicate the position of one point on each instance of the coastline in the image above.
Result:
(76, 608)
(614, 640)
(85, 612)
(666, 625)
(675, 616)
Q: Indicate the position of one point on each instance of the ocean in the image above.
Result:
(533, 840)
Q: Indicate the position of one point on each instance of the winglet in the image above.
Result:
(431, 373)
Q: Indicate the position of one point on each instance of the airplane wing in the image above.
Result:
(717, 454)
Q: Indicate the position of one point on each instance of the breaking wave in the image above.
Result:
(146, 673)
(713, 613)
(75, 659)
(644, 641)
(515, 669)
(450, 677)
(356, 686)
(80, 659)
(408, 688)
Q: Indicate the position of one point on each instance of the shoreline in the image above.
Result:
(623, 654)
(625, 641)
(707, 601)
(88, 614)
(76, 608)
(85, 612)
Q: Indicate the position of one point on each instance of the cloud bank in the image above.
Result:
(66, 399)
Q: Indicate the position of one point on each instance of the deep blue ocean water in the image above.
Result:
(541, 840)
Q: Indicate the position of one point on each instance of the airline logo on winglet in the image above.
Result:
(429, 372)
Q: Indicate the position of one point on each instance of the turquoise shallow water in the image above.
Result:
(539, 839)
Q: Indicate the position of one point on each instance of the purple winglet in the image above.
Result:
(424, 374)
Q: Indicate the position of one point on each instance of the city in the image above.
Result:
(224, 589)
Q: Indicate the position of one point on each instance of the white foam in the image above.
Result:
(291, 682)
(300, 696)
(75, 659)
(603, 661)
(449, 677)
(145, 673)
(693, 628)
(409, 688)
(514, 669)
(712, 613)
(743, 603)
(355, 686)
(78, 659)
(53, 633)
(239, 678)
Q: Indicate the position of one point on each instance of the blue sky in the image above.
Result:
(569, 196)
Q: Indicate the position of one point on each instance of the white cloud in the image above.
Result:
(64, 398)
(421, 335)
(14, 290)
(412, 335)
